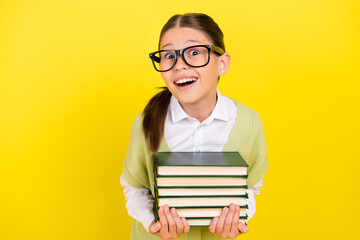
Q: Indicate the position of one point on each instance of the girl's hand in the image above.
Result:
(228, 225)
(170, 225)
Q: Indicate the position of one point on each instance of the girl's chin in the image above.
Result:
(185, 96)
(188, 100)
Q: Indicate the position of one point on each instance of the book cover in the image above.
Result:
(230, 159)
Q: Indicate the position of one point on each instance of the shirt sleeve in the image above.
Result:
(251, 202)
(139, 203)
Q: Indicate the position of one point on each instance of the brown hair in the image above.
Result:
(156, 110)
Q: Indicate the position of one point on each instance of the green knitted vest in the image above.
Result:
(247, 137)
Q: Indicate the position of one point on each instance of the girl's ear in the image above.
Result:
(224, 63)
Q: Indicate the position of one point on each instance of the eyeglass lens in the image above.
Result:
(195, 56)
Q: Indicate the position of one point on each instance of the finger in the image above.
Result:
(228, 220)
(155, 227)
(212, 226)
(220, 224)
(186, 225)
(234, 231)
(243, 228)
(163, 222)
(179, 223)
(171, 221)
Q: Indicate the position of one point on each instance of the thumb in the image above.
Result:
(154, 227)
(243, 228)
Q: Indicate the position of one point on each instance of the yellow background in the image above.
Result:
(74, 74)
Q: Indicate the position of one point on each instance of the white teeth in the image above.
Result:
(184, 80)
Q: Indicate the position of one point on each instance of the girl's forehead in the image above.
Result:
(183, 35)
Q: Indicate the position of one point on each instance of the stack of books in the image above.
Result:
(200, 184)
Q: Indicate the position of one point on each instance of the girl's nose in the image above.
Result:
(180, 64)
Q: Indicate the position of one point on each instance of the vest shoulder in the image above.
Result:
(245, 110)
(139, 117)
(137, 123)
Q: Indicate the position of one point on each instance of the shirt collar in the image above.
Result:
(219, 111)
(177, 113)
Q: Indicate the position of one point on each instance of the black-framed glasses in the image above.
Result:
(194, 56)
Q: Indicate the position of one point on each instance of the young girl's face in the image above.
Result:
(203, 89)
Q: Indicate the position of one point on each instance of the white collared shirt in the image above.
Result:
(186, 134)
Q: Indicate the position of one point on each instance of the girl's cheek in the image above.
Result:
(165, 77)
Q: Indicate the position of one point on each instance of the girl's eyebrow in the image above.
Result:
(188, 41)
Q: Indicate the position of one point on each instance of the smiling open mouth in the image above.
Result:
(185, 81)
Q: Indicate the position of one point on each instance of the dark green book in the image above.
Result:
(182, 207)
(200, 201)
(200, 181)
(205, 211)
(200, 191)
(205, 222)
(200, 164)
(199, 220)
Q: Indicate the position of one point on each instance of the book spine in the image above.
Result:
(155, 205)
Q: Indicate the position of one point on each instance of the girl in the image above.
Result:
(189, 115)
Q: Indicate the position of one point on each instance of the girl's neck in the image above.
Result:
(200, 110)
